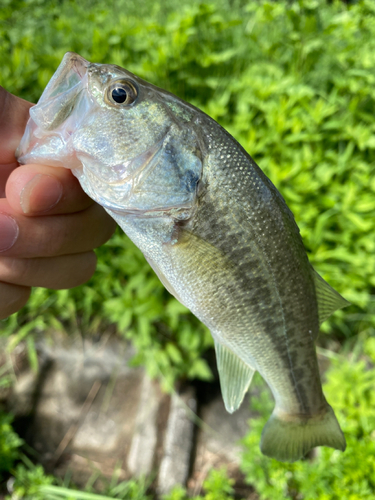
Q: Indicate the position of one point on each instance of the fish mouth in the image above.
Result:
(62, 93)
(54, 119)
(77, 63)
(72, 71)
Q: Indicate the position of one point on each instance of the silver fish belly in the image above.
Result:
(211, 224)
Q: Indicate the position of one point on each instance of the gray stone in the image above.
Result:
(178, 443)
(222, 431)
(82, 404)
(217, 444)
(143, 446)
(87, 412)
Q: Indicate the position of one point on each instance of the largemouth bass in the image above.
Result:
(211, 224)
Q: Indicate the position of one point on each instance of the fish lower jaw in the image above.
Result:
(176, 213)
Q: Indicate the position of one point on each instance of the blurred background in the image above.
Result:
(294, 83)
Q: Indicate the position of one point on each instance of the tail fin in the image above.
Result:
(289, 439)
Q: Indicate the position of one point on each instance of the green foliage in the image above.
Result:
(333, 475)
(294, 83)
(124, 490)
(34, 483)
(9, 443)
(217, 486)
(29, 481)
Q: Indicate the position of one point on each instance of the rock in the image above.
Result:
(83, 403)
(87, 411)
(222, 431)
(178, 443)
(217, 442)
(141, 458)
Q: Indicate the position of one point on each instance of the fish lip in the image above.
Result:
(182, 212)
(78, 64)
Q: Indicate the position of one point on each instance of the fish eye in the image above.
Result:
(122, 92)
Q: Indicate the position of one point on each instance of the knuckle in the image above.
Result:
(15, 270)
(43, 236)
(56, 239)
(20, 269)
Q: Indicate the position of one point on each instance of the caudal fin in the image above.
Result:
(289, 439)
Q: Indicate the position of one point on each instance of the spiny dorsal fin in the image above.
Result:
(328, 299)
(235, 377)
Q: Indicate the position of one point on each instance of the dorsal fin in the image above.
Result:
(328, 299)
(235, 377)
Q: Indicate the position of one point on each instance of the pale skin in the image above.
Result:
(48, 225)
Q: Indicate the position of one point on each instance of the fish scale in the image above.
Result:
(211, 224)
(251, 184)
(257, 281)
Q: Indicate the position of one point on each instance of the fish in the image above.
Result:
(211, 224)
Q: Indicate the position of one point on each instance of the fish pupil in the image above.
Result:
(119, 95)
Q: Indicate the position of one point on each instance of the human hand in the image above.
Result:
(48, 225)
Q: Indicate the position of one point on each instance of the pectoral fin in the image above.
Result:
(328, 299)
(235, 377)
(163, 278)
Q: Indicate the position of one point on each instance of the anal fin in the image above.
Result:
(328, 299)
(235, 377)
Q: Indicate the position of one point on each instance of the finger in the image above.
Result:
(39, 189)
(14, 113)
(5, 171)
(58, 273)
(12, 298)
(54, 235)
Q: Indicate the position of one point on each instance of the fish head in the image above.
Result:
(133, 146)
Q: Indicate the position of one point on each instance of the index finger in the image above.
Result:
(14, 113)
(40, 189)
